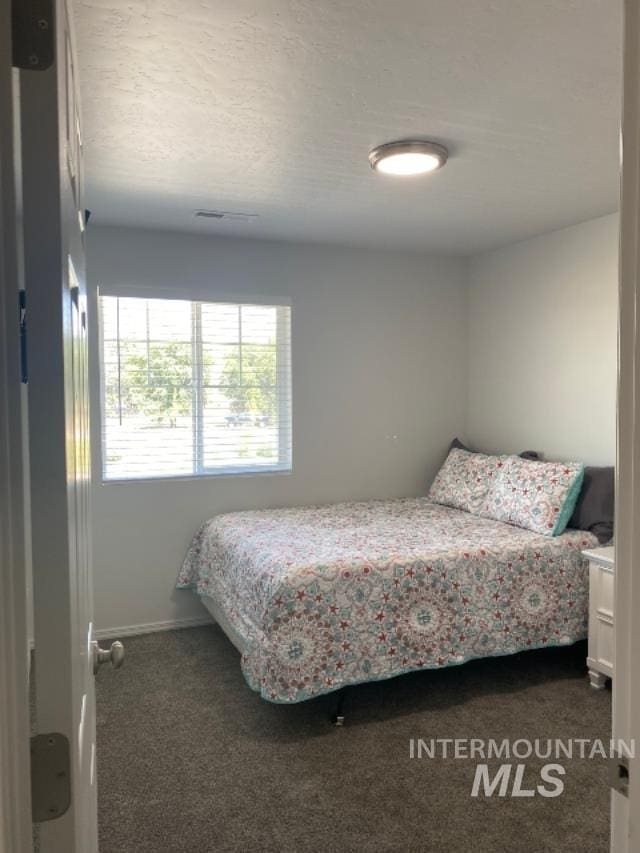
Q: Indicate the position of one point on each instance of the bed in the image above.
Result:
(322, 597)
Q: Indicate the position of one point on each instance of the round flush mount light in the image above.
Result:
(407, 158)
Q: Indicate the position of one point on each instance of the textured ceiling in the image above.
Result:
(271, 106)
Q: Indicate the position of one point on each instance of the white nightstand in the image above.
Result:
(601, 584)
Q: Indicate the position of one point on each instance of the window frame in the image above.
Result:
(284, 465)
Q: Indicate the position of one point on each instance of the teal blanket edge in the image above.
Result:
(569, 504)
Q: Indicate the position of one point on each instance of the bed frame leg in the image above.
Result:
(338, 717)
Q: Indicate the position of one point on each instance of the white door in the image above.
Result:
(54, 226)
(625, 819)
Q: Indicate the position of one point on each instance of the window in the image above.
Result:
(194, 388)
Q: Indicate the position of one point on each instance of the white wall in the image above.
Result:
(542, 345)
(378, 345)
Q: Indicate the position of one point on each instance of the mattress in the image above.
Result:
(326, 596)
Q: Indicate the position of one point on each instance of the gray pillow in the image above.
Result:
(595, 507)
(526, 454)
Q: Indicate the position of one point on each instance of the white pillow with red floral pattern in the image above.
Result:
(465, 480)
(540, 496)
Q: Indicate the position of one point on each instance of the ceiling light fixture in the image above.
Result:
(411, 157)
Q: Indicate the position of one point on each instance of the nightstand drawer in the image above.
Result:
(601, 588)
(604, 638)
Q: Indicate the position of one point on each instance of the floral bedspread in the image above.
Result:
(327, 596)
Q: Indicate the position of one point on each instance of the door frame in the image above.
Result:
(625, 811)
(15, 786)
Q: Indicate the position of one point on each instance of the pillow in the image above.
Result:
(531, 454)
(540, 496)
(526, 454)
(595, 507)
(465, 479)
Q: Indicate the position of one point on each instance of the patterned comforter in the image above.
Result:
(326, 596)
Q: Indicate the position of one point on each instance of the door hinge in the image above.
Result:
(32, 34)
(619, 773)
(50, 776)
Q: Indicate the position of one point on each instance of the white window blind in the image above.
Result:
(194, 388)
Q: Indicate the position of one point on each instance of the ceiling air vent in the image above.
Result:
(226, 215)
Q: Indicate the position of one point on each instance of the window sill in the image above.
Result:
(208, 475)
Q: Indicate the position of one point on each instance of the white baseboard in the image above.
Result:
(150, 627)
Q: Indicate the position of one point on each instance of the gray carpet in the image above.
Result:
(191, 761)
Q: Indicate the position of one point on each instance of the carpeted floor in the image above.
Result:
(191, 761)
